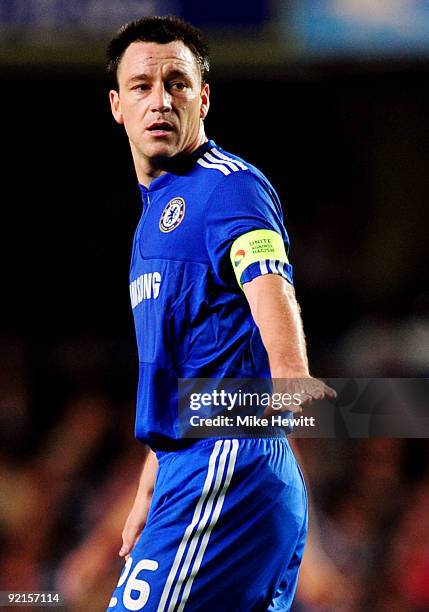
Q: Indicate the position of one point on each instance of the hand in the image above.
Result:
(300, 391)
(322, 586)
(134, 525)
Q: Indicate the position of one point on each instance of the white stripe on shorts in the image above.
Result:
(201, 525)
(190, 528)
(214, 519)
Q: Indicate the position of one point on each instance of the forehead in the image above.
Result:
(146, 57)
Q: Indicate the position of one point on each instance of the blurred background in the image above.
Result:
(330, 99)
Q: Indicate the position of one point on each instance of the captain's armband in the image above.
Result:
(257, 253)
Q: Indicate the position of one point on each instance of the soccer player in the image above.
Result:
(217, 524)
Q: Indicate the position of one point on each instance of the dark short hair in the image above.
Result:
(160, 30)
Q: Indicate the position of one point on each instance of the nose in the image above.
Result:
(161, 99)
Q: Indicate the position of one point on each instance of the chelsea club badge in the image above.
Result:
(172, 215)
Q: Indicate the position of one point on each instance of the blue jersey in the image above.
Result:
(192, 319)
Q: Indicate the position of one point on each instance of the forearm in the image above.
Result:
(277, 315)
(147, 479)
(137, 517)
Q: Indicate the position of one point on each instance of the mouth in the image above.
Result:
(160, 128)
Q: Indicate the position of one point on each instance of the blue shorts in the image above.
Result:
(225, 531)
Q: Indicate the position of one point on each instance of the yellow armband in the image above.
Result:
(256, 246)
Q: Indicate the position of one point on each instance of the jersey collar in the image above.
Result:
(165, 179)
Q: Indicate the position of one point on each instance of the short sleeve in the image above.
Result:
(245, 233)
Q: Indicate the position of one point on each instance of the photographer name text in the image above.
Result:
(274, 420)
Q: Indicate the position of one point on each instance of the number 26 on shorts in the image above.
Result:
(137, 585)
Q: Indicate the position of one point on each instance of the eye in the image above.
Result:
(178, 86)
(141, 87)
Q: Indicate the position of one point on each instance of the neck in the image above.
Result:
(148, 169)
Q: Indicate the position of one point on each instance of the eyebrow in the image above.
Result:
(171, 75)
(138, 77)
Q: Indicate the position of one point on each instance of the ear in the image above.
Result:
(205, 101)
(115, 105)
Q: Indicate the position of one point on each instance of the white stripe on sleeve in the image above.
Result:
(220, 167)
(273, 267)
(263, 267)
(231, 159)
(215, 160)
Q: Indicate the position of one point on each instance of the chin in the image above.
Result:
(162, 150)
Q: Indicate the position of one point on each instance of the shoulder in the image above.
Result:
(221, 168)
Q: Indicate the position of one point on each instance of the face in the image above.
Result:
(161, 101)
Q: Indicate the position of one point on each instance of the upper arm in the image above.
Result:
(245, 234)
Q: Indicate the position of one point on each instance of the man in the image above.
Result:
(211, 291)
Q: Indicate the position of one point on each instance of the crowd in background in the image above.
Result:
(69, 470)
